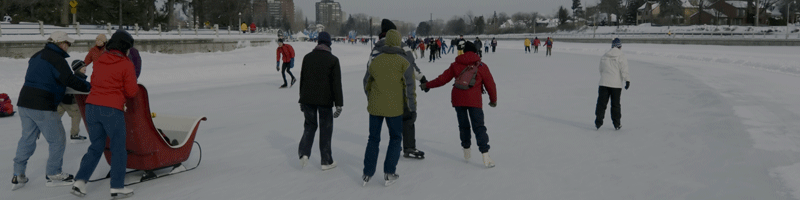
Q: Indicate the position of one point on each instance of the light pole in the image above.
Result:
(240, 21)
(788, 5)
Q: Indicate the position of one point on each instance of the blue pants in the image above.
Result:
(105, 122)
(395, 125)
(451, 48)
(444, 50)
(475, 115)
(48, 123)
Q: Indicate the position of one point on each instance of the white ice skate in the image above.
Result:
(327, 167)
(18, 182)
(466, 154)
(303, 161)
(121, 193)
(487, 161)
(62, 179)
(79, 188)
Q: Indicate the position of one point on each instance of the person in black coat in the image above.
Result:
(320, 90)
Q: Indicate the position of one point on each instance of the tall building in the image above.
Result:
(278, 9)
(328, 12)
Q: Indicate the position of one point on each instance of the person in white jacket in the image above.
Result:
(613, 72)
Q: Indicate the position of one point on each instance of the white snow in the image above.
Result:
(699, 122)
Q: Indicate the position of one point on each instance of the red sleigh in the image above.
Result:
(146, 143)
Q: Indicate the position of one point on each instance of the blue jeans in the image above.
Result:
(475, 115)
(395, 125)
(48, 123)
(451, 48)
(105, 122)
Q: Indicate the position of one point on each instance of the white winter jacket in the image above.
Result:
(614, 69)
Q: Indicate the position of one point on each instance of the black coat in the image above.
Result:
(321, 79)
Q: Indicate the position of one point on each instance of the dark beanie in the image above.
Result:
(280, 40)
(324, 38)
(470, 47)
(121, 40)
(387, 25)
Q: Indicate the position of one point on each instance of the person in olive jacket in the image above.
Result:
(320, 90)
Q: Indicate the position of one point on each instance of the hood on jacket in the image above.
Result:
(468, 58)
(113, 57)
(393, 38)
(614, 52)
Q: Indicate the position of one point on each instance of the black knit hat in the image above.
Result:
(386, 25)
(121, 40)
(77, 64)
(324, 38)
(470, 47)
(280, 40)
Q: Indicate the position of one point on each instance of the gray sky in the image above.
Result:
(420, 10)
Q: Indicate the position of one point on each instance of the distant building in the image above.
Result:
(274, 10)
(328, 12)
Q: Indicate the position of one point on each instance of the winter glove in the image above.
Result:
(80, 75)
(424, 87)
(493, 104)
(291, 63)
(278, 66)
(627, 85)
(424, 81)
(338, 112)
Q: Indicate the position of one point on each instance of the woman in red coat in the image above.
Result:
(468, 103)
(113, 81)
(96, 50)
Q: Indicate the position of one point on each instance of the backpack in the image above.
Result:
(6, 108)
(466, 79)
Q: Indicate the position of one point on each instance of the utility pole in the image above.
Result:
(120, 14)
(757, 11)
(788, 5)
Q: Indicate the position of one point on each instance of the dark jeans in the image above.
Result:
(549, 51)
(392, 153)
(486, 49)
(286, 67)
(325, 114)
(480, 54)
(604, 93)
(432, 57)
(536, 49)
(105, 122)
(409, 140)
(475, 115)
(527, 49)
(451, 48)
(493, 48)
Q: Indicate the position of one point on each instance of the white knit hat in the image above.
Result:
(60, 36)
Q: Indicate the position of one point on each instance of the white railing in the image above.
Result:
(7, 30)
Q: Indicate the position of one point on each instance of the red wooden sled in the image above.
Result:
(147, 148)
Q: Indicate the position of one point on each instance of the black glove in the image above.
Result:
(423, 80)
(493, 104)
(278, 66)
(338, 112)
(424, 87)
(627, 85)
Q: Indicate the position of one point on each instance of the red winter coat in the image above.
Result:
(94, 54)
(536, 42)
(113, 80)
(422, 46)
(287, 51)
(472, 96)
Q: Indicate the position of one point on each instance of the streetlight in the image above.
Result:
(240, 20)
(787, 17)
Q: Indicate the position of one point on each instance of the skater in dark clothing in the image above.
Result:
(549, 44)
(613, 72)
(494, 44)
(453, 44)
(461, 42)
(320, 90)
(288, 61)
(467, 102)
(479, 44)
(433, 48)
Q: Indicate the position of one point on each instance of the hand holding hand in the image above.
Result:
(424, 87)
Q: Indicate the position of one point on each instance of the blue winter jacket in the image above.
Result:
(47, 79)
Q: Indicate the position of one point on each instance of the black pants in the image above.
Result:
(536, 49)
(286, 67)
(480, 53)
(603, 94)
(549, 51)
(527, 49)
(475, 115)
(409, 140)
(325, 131)
(432, 57)
(493, 47)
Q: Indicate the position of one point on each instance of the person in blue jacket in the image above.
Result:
(46, 82)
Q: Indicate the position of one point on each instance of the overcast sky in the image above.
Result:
(416, 11)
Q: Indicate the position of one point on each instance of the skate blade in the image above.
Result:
(121, 195)
(388, 183)
(76, 141)
(490, 165)
(58, 183)
(78, 194)
(364, 185)
(17, 186)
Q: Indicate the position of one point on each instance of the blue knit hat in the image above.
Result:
(324, 38)
(616, 43)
